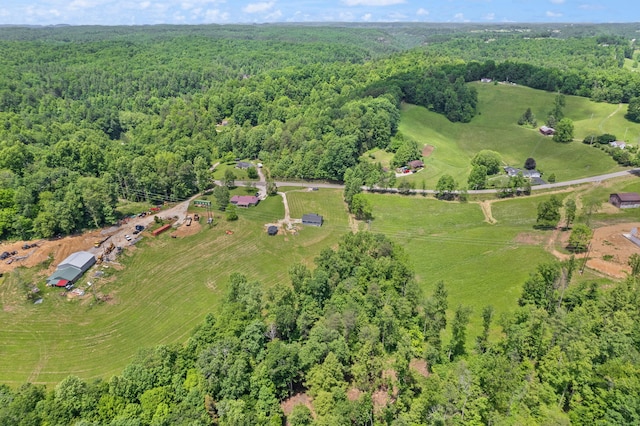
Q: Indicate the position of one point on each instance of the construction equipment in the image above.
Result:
(98, 243)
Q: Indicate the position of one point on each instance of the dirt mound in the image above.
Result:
(56, 249)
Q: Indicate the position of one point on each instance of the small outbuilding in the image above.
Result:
(625, 200)
(272, 230)
(245, 200)
(312, 219)
(547, 131)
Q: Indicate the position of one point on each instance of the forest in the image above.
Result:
(93, 117)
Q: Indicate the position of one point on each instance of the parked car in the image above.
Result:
(4, 255)
(128, 237)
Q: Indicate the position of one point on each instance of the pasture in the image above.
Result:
(163, 289)
(496, 128)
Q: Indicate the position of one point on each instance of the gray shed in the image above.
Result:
(312, 219)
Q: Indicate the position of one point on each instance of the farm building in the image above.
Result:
(243, 165)
(244, 200)
(272, 230)
(416, 164)
(202, 203)
(547, 131)
(71, 268)
(312, 219)
(625, 200)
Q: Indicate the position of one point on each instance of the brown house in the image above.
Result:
(415, 164)
(625, 200)
(547, 131)
(244, 200)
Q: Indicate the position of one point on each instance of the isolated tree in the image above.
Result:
(231, 212)
(570, 211)
(478, 177)
(564, 131)
(579, 238)
(252, 173)
(446, 187)
(490, 159)
(272, 188)
(528, 118)
(353, 182)
(221, 194)
(548, 213)
(530, 163)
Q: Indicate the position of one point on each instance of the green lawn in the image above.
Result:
(496, 128)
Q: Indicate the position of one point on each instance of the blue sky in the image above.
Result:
(128, 12)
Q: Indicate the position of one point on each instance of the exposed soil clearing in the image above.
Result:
(427, 150)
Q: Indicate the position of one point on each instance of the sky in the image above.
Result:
(145, 12)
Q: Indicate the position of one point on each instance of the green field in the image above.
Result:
(496, 128)
(165, 289)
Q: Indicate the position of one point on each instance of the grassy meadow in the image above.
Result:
(164, 288)
(496, 128)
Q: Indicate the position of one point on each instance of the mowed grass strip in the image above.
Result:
(166, 288)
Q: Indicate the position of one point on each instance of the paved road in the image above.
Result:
(599, 178)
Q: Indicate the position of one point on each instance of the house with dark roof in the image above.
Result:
(71, 268)
(243, 165)
(312, 219)
(625, 200)
(244, 200)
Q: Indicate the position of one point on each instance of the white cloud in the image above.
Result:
(553, 14)
(422, 12)
(258, 7)
(372, 2)
(557, 1)
(490, 16)
(459, 17)
(366, 17)
(215, 15)
(274, 16)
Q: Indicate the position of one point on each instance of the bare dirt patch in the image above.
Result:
(185, 231)
(427, 150)
(300, 398)
(610, 250)
(353, 394)
(57, 249)
(527, 238)
(419, 366)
